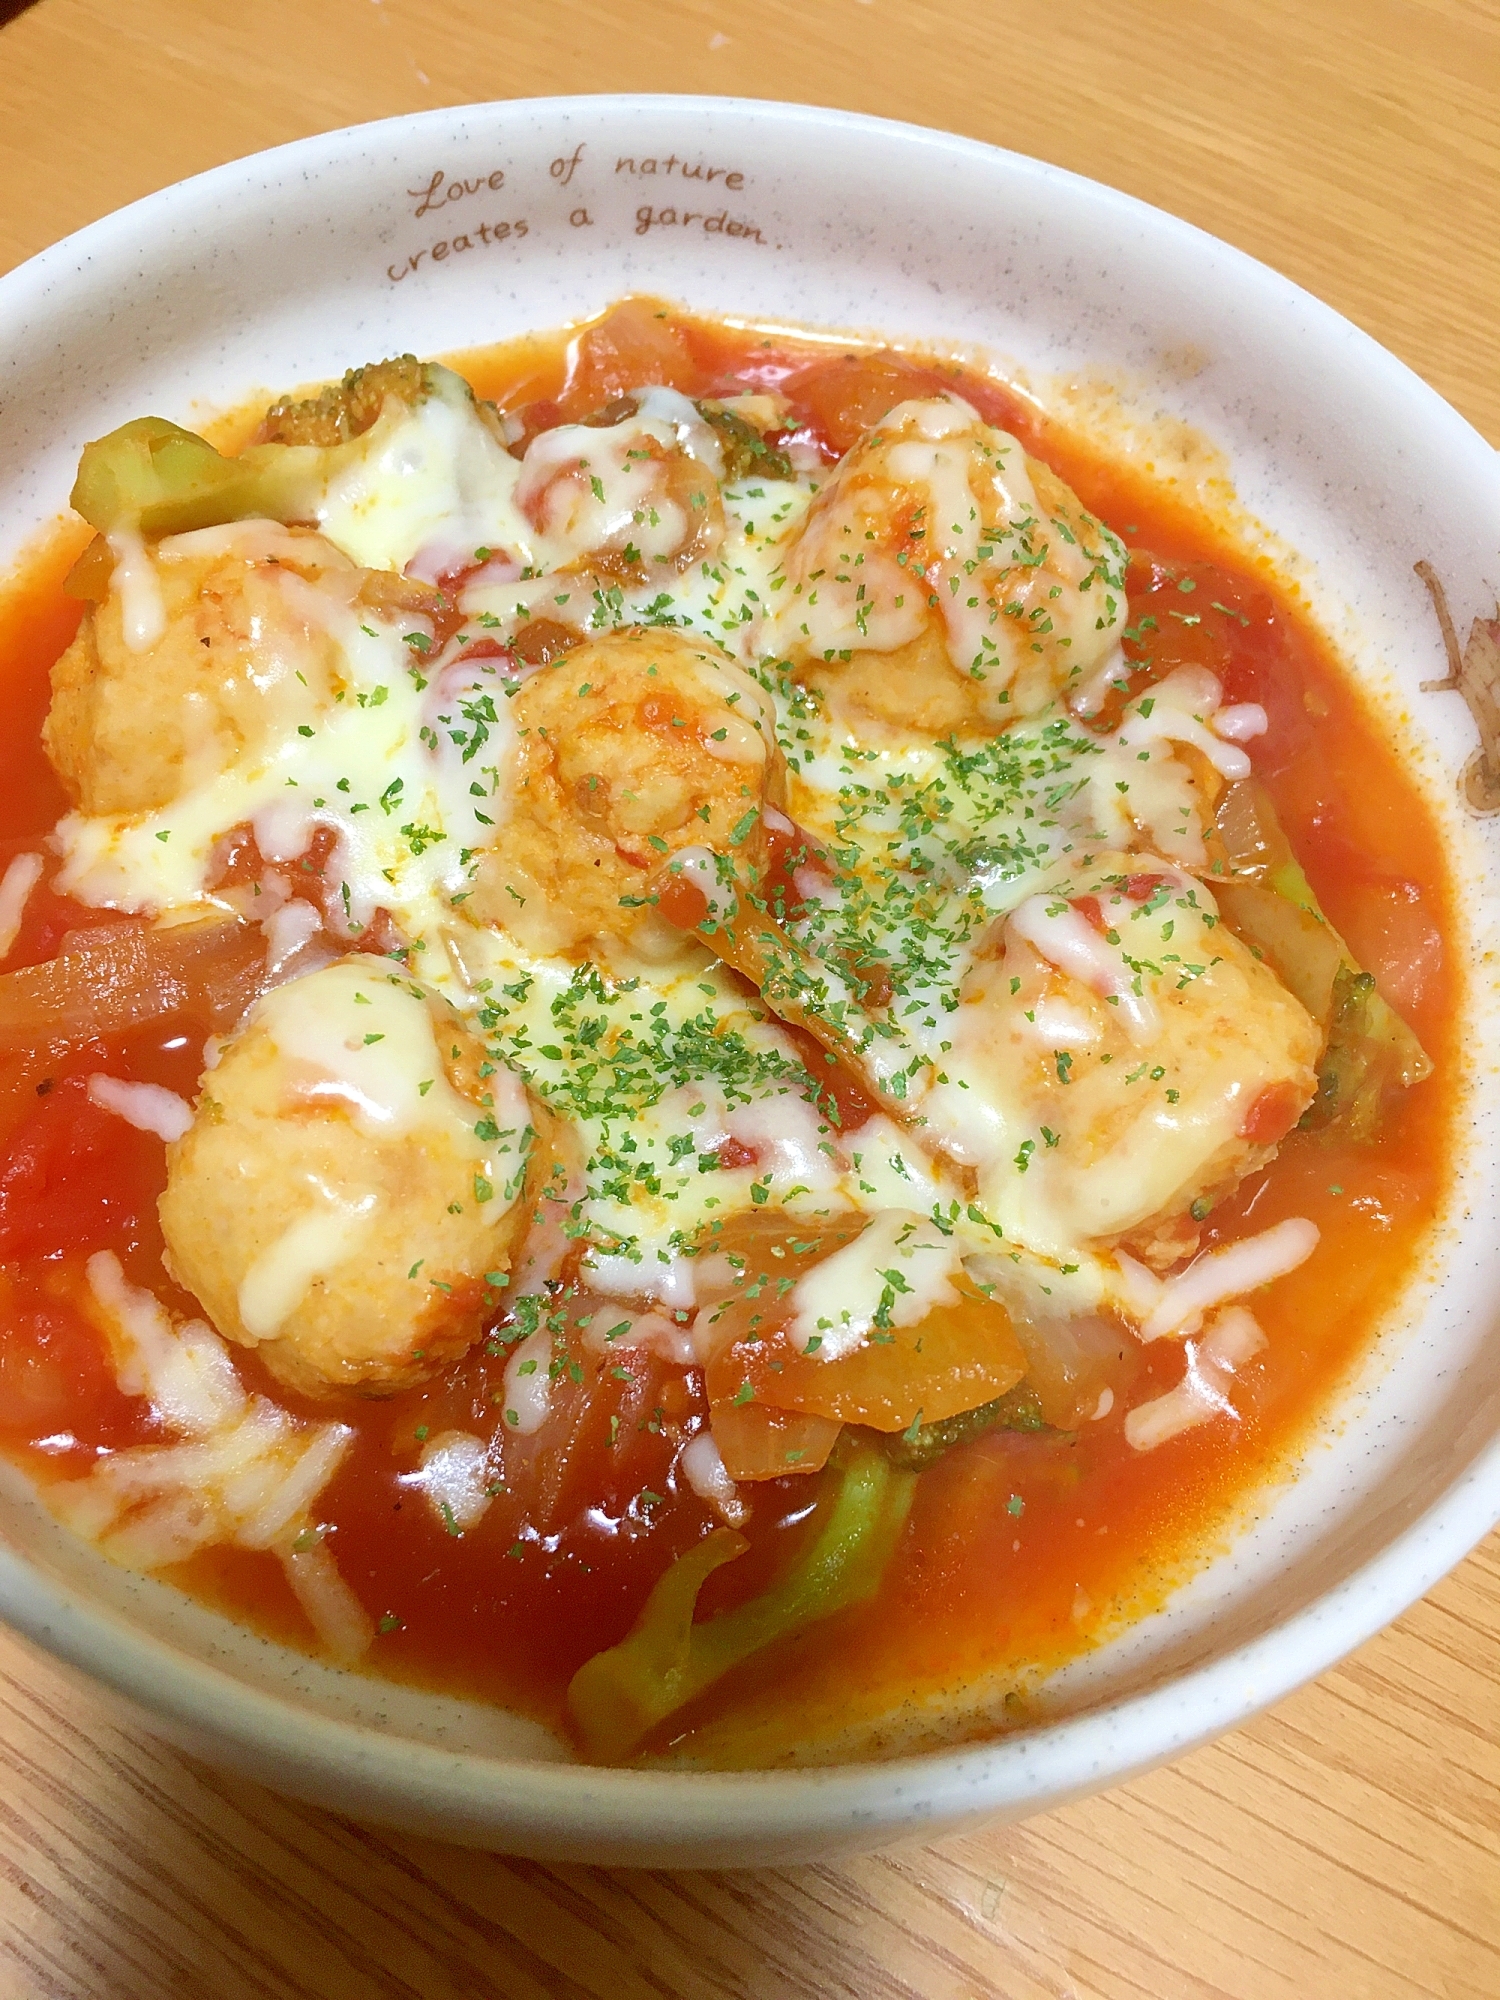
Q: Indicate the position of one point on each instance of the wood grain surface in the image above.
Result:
(1345, 1846)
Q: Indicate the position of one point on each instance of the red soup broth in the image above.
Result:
(1021, 1550)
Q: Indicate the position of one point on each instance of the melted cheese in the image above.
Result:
(143, 615)
(357, 1037)
(610, 1330)
(722, 597)
(185, 1372)
(528, 1384)
(1203, 1393)
(1072, 944)
(893, 1274)
(354, 1036)
(1229, 1273)
(1075, 1143)
(313, 1247)
(704, 1470)
(431, 483)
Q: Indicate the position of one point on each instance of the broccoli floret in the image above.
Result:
(345, 409)
(745, 450)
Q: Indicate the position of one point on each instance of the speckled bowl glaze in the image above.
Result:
(459, 227)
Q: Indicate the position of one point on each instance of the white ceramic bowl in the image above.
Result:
(290, 266)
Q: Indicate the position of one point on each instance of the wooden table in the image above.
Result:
(1346, 1846)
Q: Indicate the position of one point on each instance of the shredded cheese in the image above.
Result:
(21, 876)
(893, 1274)
(703, 1469)
(455, 1476)
(1203, 1393)
(243, 1472)
(147, 1106)
(1228, 1273)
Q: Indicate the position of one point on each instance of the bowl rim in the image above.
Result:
(872, 1800)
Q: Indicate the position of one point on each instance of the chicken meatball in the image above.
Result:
(629, 750)
(1125, 1060)
(633, 493)
(943, 581)
(202, 653)
(353, 1188)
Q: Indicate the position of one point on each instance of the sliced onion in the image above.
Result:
(333, 1610)
(119, 976)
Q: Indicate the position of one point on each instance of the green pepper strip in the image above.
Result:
(922, 1445)
(619, 1696)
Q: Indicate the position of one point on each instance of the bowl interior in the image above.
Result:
(456, 228)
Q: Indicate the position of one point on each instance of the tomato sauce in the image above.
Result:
(1022, 1549)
